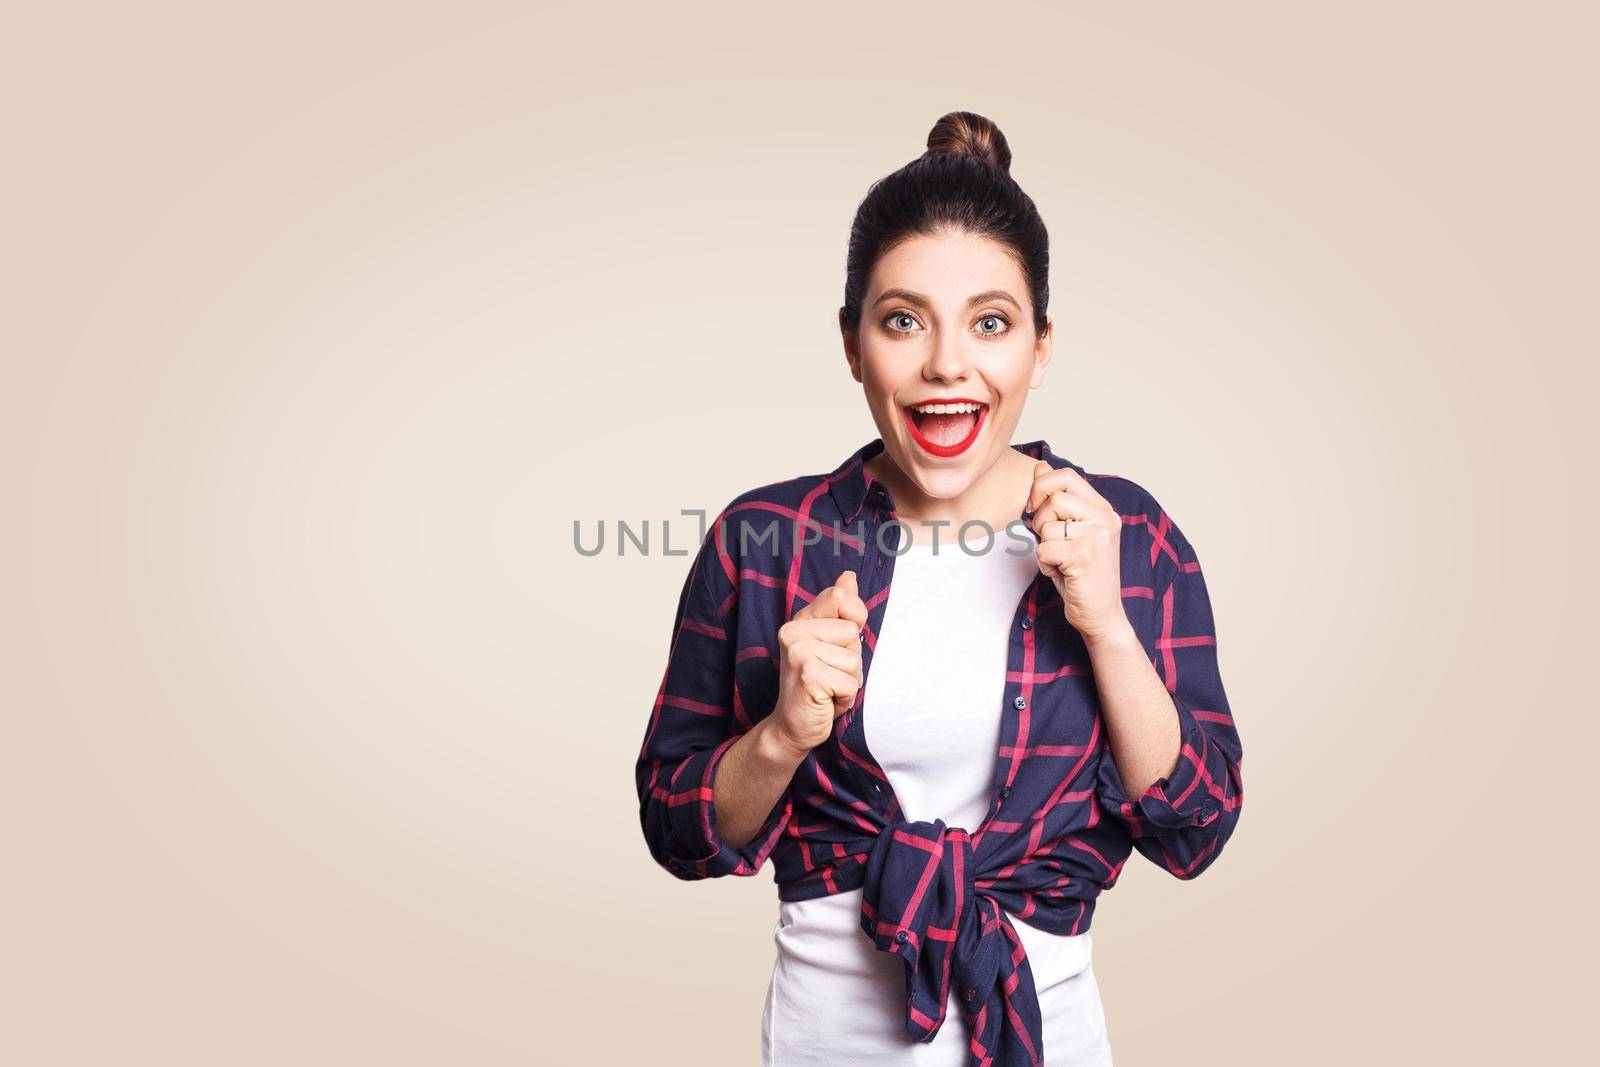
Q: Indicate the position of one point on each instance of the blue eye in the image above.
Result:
(891, 318)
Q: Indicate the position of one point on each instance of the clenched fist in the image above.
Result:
(819, 665)
(1080, 544)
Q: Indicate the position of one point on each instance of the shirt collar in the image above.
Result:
(852, 485)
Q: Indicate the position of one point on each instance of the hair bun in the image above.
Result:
(963, 133)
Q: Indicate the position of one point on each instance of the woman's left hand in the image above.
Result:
(1087, 566)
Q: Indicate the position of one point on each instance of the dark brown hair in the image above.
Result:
(962, 182)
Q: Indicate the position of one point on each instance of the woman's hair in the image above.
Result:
(962, 182)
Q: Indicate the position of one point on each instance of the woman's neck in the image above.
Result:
(997, 497)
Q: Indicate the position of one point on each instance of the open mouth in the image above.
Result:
(947, 426)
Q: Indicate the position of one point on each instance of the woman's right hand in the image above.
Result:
(819, 665)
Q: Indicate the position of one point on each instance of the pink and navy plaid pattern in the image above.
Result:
(1060, 825)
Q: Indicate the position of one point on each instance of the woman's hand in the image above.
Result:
(819, 665)
(1087, 566)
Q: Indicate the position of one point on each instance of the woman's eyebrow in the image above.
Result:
(917, 298)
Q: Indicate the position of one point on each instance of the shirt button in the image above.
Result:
(1005, 791)
(1027, 624)
(901, 936)
(1020, 703)
(972, 992)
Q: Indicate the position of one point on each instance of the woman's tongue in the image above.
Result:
(946, 429)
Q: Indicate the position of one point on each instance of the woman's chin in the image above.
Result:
(937, 478)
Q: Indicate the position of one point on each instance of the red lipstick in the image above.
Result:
(935, 448)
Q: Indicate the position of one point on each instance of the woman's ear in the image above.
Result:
(852, 348)
(1041, 354)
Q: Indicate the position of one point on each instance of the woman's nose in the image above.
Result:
(948, 361)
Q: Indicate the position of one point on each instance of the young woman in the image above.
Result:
(1044, 690)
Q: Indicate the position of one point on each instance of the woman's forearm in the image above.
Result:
(750, 778)
(1140, 717)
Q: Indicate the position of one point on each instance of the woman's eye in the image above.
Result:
(904, 322)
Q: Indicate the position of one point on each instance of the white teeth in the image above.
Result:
(945, 409)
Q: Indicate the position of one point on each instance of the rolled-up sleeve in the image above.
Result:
(698, 716)
(1182, 821)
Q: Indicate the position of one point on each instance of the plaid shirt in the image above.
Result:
(1060, 825)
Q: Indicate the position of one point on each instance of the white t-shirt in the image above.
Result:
(932, 721)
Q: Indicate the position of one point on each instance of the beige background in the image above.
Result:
(324, 322)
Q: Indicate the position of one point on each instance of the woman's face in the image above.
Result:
(947, 320)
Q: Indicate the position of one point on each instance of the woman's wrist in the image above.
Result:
(1120, 635)
(772, 751)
